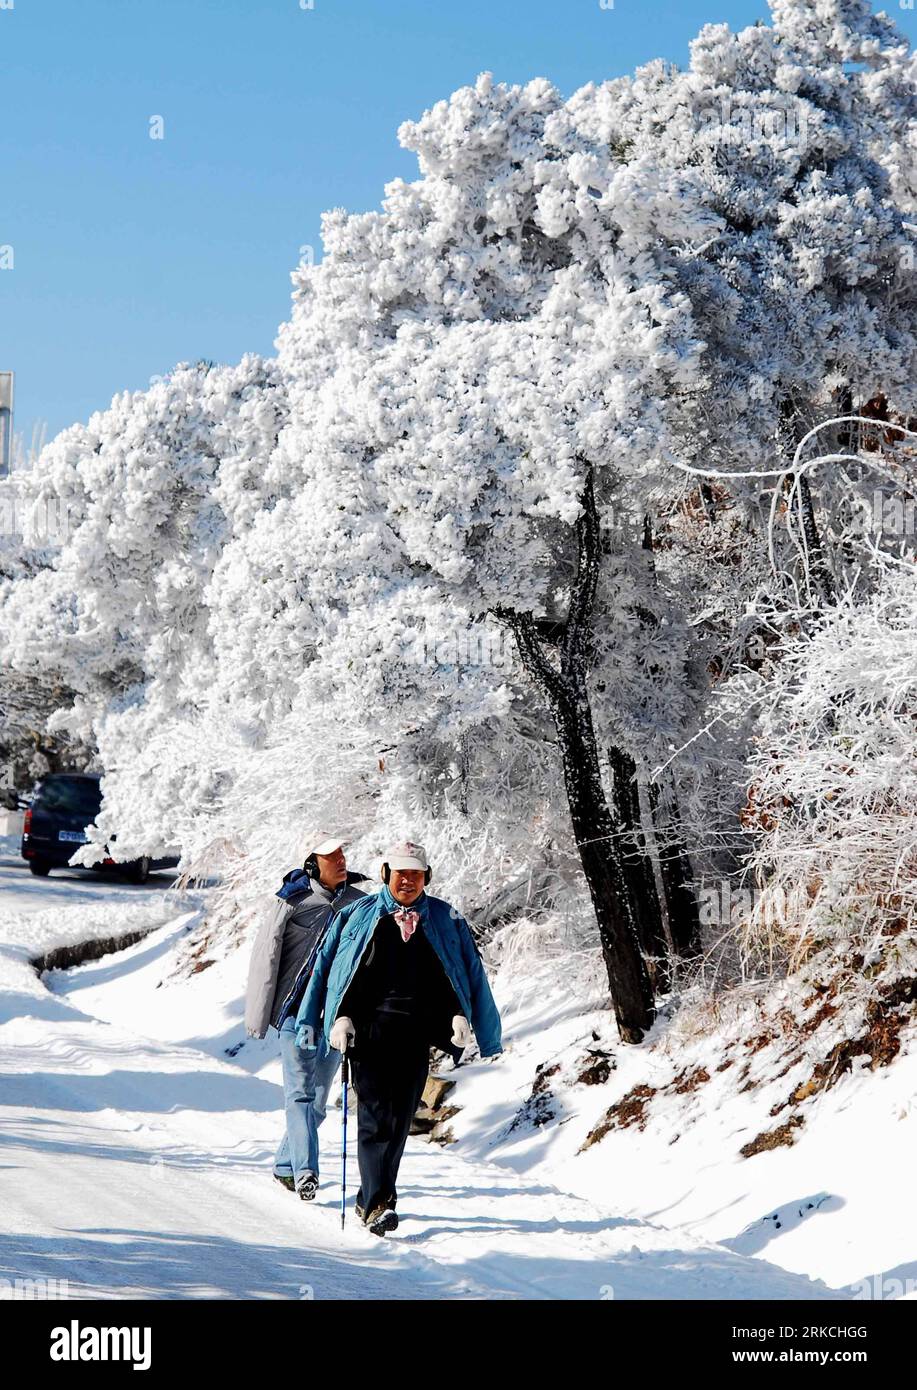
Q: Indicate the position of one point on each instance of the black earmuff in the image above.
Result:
(311, 866)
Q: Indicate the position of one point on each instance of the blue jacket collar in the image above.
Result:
(295, 882)
(388, 903)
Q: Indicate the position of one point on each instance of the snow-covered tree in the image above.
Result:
(832, 783)
(151, 489)
(459, 553)
(575, 301)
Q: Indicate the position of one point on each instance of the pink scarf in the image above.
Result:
(407, 921)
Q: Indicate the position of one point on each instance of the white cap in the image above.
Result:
(407, 854)
(322, 842)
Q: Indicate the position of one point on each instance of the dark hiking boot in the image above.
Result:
(361, 1214)
(284, 1181)
(308, 1187)
(382, 1220)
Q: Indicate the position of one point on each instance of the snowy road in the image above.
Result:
(135, 1157)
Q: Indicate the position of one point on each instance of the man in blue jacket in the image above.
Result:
(396, 974)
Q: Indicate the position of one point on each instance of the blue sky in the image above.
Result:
(133, 254)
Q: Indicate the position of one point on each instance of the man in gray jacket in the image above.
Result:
(284, 952)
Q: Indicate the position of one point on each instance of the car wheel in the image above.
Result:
(140, 870)
(41, 867)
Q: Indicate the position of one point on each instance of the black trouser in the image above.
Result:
(389, 1065)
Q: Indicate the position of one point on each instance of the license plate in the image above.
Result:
(76, 836)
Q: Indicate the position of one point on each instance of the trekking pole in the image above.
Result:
(345, 1077)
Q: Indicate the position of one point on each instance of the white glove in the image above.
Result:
(342, 1034)
(461, 1031)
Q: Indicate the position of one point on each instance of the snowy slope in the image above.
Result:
(834, 1204)
(137, 1141)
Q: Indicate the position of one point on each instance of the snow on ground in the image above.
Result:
(835, 1205)
(137, 1134)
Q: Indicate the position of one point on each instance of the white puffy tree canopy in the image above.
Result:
(281, 594)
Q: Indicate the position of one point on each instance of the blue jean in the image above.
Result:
(307, 1079)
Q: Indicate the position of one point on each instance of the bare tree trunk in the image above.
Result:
(638, 868)
(843, 405)
(818, 567)
(677, 875)
(792, 429)
(600, 855)
(565, 687)
(675, 870)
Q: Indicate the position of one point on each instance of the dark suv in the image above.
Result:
(62, 806)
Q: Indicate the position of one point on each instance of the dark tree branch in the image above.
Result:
(536, 663)
(582, 598)
(616, 909)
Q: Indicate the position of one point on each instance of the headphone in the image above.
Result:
(387, 873)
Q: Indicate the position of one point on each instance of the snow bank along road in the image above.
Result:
(136, 1163)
